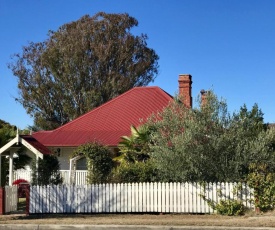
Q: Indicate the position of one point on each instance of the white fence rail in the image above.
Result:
(135, 197)
(80, 177)
(11, 198)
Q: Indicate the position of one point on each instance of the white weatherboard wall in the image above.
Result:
(127, 198)
(64, 156)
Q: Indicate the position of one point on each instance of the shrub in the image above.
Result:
(135, 172)
(47, 171)
(261, 178)
(230, 208)
(99, 161)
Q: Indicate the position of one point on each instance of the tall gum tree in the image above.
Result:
(80, 66)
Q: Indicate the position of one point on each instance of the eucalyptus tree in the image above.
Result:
(80, 66)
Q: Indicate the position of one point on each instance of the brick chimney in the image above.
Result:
(185, 88)
(203, 97)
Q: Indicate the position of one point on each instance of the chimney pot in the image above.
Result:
(203, 92)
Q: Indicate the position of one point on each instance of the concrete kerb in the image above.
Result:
(121, 227)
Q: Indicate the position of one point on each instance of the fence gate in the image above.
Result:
(11, 198)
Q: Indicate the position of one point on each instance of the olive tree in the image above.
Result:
(208, 143)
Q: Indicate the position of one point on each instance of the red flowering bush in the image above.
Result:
(19, 181)
(22, 186)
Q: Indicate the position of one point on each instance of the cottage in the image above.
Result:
(105, 124)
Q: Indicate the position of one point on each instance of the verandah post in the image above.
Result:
(10, 168)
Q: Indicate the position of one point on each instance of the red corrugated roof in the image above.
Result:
(107, 123)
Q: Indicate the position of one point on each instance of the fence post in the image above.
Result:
(2, 200)
(27, 199)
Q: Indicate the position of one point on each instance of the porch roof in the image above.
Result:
(29, 142)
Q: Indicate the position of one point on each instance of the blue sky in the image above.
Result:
(226, 45)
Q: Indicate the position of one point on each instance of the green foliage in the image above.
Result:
(47, 171)
(99, 161)
(207, 143)
(7, 132)
(135, 147)
(80, 66)
(230, 208)
(134, 162)
(135, 172)
(22, 159)
(182, 142)
(262, 180)
(252, 121)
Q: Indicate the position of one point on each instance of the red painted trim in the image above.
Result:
(2, 201)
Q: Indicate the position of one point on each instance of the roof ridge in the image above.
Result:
(43, 131)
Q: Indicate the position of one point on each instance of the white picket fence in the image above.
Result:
(11, 198)
(80, 176)
(132, 198)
